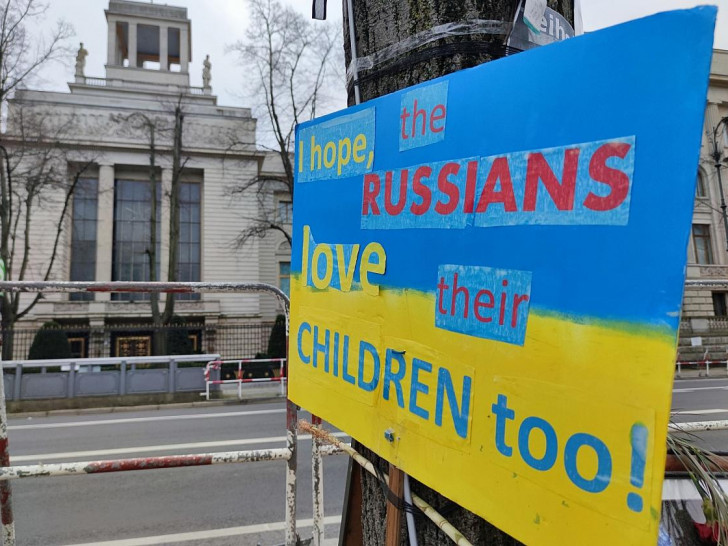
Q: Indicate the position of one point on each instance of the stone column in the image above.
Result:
(105, 228)
(712, 117)
(163, 47)
(184, 48)
(98, 346)
(112, 57)
(164, 257)
(133, 44)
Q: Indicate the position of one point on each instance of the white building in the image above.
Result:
(106, 235)
(705, 311)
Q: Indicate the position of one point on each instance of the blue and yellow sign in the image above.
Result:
(491, 265)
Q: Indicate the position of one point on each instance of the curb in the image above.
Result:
(147, 407)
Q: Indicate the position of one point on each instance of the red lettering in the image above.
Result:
(389, 206)
(498, 171)
(437, 117)
(421, 190)
(562, 193)
(459, 290)
(372, 185)
(404, 116)
(478, 304)
(418, 113)
(617, 180)
(503, 304)
(517, 300)
(448, 188)
(470, 181)
(441, 287)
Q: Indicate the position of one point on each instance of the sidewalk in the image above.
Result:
(253, 393)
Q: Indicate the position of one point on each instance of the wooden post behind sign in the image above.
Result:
(351, 533)
(394, 514)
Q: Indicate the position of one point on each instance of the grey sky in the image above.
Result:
(218, 23)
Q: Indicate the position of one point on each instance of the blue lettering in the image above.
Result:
(336, 355)
(502, 414)
(372, 384)
(417, 387)
(305, 326)
(524, 433)
(394, 378)
(604, 462)
(459, 417)
(345, 375)
(320, 347)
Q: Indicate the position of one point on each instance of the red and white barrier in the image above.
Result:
(699, 364)
(217, 365)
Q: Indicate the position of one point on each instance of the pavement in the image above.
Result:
(252, 394)
(217, 505)
(262, 393)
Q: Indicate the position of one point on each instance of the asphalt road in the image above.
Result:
(213, 505)
(702, 400)
(172, 506)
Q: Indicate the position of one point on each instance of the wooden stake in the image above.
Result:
(394, 514)
(351, 532)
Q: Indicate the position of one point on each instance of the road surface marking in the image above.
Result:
(146, 449)
(700, 411)
(210, 534)
(696, 389)
(145, 419)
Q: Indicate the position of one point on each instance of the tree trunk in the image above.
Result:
(8, 336)
(380, 24)
(158, 347)
(174, 211)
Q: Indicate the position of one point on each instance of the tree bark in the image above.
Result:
(383, 23)
(174, 211)
(380, 24)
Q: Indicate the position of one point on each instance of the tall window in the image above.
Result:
(189, 236)
(702, 243)
(83, 235)
(700, 189)
(132, 234)
(284, 277)
(719, 304)
(285, 211)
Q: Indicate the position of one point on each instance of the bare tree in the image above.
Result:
(29, 168)
(164, 134)
(39, 176)
(293, 62)
(23, 53)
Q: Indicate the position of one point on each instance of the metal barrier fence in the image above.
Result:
(698, 364)
(289, 453)
(113, 340)
(241, 377)
(43, 379)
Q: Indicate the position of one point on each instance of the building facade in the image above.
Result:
(111, 129)
(105, 126)
(704, 325)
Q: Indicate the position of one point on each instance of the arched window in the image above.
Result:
(700, 189)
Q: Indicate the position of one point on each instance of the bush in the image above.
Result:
(178, 337)
(50, 342)
(277, 339)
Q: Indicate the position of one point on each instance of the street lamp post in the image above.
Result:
(717, 154)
